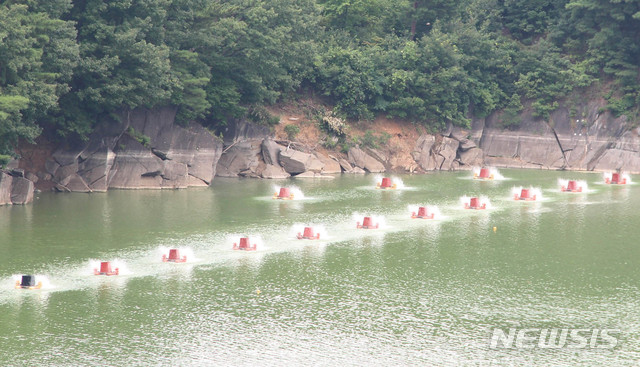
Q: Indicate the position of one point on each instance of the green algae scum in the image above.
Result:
(551, 281)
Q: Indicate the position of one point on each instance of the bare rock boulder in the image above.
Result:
(135, 167)
(270, 151)
(359, 158)
(96, 168)
(345, 165)
(422, 152)
(472, 157)
(21, 190)
(242, 157)
(445, 154)
(296, 162)
(5, 188)
(330, 165)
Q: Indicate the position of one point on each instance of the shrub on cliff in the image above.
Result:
(292, 131)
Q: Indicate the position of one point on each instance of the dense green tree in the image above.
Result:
(37, 55)
(426, 13)
(526, 20)
(368, 20)
(251, 51)
(605, 33)
(124, 62)
(17, 58)
(349, 76)
(64, 65)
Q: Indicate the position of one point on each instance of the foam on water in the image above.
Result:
(485, 200)
(216, 248)
(211, 249)
(399, 183)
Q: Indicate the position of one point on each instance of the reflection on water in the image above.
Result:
(413, 292)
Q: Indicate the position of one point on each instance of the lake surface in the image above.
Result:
(413, 292)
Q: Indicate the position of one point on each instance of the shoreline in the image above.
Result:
(176, 157)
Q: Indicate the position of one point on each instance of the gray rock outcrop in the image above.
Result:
(15, 189)
(5, 188)
(329, 165)
(241, 158)
(345, 165)
(270, 151)
(471, 158)
(598, 141)
(145, 150)
(359, 158)
(433, 153)
(296, 162)
(21, 191)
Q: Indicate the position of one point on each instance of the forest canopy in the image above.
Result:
(66, 65)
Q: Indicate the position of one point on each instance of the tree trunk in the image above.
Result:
(414, 20)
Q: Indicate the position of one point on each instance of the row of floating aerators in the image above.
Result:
(105, 268)
(244, 243)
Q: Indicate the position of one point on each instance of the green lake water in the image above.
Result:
(414, 292)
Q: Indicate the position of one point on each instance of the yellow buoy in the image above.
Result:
(495, 229)
(257, 291)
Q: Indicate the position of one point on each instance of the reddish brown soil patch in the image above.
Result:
(402, 134)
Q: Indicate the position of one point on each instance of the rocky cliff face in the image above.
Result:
(144, 150)
(147, 150)
(596, 141)
(15, 188)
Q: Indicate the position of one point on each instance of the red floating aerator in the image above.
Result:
(572, 186)
(308, 234)
(485, 174)
(174, 257)
(525, 195)
(474, 203)
(245, 245)
(423, 213)
(367, 223)
(616, 180)
(105, 269)
(284, 194)
(386, 184)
